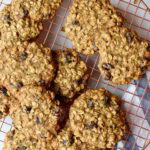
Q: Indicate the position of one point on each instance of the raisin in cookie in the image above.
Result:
(72, 73)
(5, 101)
(25, 64)
(12, 30)
(96, 118)
(23, 140)
(88, 17)
(124, 57)
(38, 112)
(37, 10)
(66, 140)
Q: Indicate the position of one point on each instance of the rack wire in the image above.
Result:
(138, 18)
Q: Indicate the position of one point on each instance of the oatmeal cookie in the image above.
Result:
(72, 73)
(25, 64)
(96, 118)
(124, 57)
(23, 140)
(37, 108)
(37, 10)
(66, 140)
(88, 17)
(5, 101)
(12, 30)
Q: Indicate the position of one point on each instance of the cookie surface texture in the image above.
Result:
(88, 17)
(22, 140)
(72, 73)
(37, 10)
(66, 140)
(96, 118)
(25, 64)
(124, 57)
(38, 109)
(6, 99)
(12, 30)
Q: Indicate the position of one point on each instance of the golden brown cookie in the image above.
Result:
(96, 118)
(72, 73)
(88, 17)
(124, 57)
(37, 111)
(25, 64)
(12, 30)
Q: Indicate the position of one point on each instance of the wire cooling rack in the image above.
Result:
(137, 17)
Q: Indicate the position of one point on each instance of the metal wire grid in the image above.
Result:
(138, 18)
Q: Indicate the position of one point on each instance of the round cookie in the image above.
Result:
(66, 140)
(38, 112)
(25, 64)
(96, 118)
(12, 30)
(124, 57)
(23, 140)
(5, 101)
(88, 17)
(37, 10)
(72, 73)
